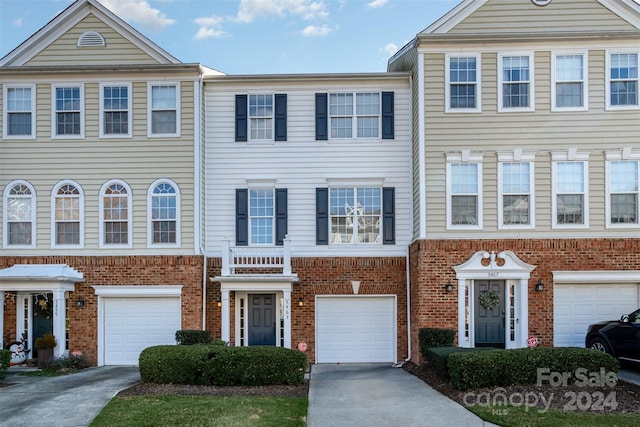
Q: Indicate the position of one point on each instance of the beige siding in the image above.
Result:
(511, 16)
(118, 50)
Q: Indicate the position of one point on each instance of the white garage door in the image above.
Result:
(355, 329)
(133, 324)
(576, 306)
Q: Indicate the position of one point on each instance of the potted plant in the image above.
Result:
(45, 345)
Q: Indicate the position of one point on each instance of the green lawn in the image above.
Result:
(518, 416)
(203, 411)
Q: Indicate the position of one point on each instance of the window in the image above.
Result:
(68, 111)
(67, 214)
(570, 193)
(19, 214)
(261, 116)
(463, 86)
(164, 113)
(366, 119)
(622, 72)
(623, 180)
(261, 216)
(115, 214)
(355, 215)
(569, 87)
(19, 110)
(515, 203)
(115, 117)
(515, 86)
(464, 196)
(164, 213)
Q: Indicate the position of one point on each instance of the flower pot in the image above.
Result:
(45, 357)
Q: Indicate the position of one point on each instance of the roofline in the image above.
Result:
(110, 68)
(315, 76)
(517, 37)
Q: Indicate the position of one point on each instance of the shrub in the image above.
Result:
(435, 337)
(5, 361)
(46, 341)
(191, 337)
(520, 366)
(437, 357)
(71, 363)
(208, 364)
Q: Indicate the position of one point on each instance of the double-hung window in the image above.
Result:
(115, 214)
(570, 205)
(515, 192)
(115, 117)
(569, 86)
(19, 214)
(261, 117)
(68, 111)
(164, 213)
(463, 83)
(19, 108)
(261, 216)
(623, 178)
(464, 192)
(164, 109)
(67, 214)
(515, 85)
(355, 215)
(622, 87)
(359, 111)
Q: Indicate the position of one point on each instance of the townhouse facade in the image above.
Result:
(487, 182)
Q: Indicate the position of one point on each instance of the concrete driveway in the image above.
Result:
(63, 401)
(379, 395)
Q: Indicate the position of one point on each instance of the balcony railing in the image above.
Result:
(256, 260)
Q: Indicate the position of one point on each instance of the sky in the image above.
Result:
(255, 36)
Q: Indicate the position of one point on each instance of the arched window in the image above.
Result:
(115, 214)
(19, 215)
(163, 213)
(68, 214)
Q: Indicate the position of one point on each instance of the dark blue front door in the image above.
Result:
(42, 319)
(262, 319)
(490, 320)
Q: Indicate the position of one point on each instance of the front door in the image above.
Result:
(489, 311)
(262, 319)
(42, 319)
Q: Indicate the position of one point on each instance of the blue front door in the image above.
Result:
(42, 319)
(262, 319)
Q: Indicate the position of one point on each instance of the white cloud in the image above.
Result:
(249, 10)
(315, 31)
(140, 12)
(17, 22)
(376, 3)
(390, 49)
(210, 27)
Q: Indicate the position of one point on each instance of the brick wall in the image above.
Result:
(431, 263)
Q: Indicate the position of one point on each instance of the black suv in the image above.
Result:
(620, 338)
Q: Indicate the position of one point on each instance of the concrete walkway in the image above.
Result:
(630, 375)
(374, 395)
(64, 401)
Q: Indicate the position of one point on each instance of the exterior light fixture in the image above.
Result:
(539, 286)
(300, 302)
(218, 302)
(80, 302)
(448, 287)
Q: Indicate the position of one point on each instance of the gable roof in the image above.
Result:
(70, 17)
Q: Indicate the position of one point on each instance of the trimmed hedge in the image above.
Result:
(206, 364)
(5, 362)
(475, 370)
(190, 337)
(435, 337)
(438, 357)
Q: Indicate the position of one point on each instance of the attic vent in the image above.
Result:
(91, 39)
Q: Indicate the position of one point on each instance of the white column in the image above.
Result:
(463, 341)
(224, 315)
(59, 323)
(226, 258)
(522, 313)
(287, 318)
(2, 318)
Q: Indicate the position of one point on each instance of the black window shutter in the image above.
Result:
(281, 117)
(387, 115)
(281, 215)
(322, 216)
(241, 117)
(242, 217)
(388, 216)
(322, 129)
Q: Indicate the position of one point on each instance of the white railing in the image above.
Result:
(256, 258)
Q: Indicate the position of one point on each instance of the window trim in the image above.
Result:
(102, 243)
(571, 155)
(623, 155)
(150, 243)
(54, 111)
(355, 241)
(478, 83)
(608, 106)
(354, 115)
(517, 156)
(250, 118)
(272, 189)
(102, 111)
(5, 110)
(584, 81)
(5, 216)
(150, 86)
(531, 81)
(54, 194)
(464, 157)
